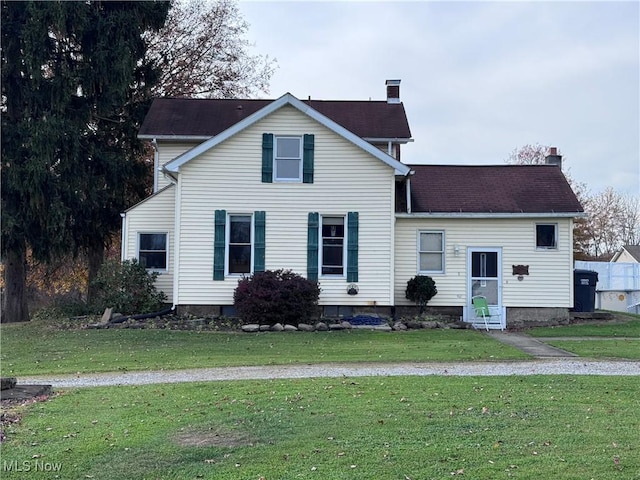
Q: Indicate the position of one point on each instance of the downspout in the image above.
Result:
(408, 191)
(390, 149)
(156, 164)
(123, 248)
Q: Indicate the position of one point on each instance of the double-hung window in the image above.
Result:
(431, 252)
(152, 250)
(287, 162)
(546, 236)
(332, 259)
(239, 251)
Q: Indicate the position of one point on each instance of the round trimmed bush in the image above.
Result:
(276, 296)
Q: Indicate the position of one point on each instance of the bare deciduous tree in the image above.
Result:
(202, 52)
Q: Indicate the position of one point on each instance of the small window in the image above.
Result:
(287, 163)
(546, 235)
(332, 260)
(239, 260)
(431, 252)
(152, 251)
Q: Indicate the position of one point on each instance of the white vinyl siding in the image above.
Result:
(550, 279)
(167, 151)
(153, 215)
(228, 177)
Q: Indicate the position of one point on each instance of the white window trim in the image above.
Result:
(442, 252)
(275, 152)
(344, 248)
(227, 235)
(555, 233)
(166, 244)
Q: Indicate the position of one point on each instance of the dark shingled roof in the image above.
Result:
(634, 251)
(491, 189)
(209, 117)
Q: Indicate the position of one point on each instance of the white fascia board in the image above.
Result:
(491, 215)
(287, 99)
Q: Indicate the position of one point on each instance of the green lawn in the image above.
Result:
(30, 349)
(568, 427)
(603, 348)
(630, 328)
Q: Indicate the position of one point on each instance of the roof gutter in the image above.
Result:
(185, 138)
(386, 140)
(491, 215)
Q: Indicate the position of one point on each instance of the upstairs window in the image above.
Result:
(152, 251)
(287, 163)
(546, 236)
(431, 252)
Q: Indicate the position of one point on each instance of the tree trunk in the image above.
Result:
(14, 300)
(95, 259)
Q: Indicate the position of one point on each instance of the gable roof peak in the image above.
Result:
(286, 99)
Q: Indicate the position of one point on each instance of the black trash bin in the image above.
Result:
(584, 290)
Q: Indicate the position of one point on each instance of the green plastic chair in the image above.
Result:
(482, 310)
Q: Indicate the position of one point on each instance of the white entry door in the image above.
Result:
(484, 271)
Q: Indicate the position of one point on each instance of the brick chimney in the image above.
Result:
(393, 91)
(553, 158)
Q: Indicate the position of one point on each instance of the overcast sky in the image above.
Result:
(478, 78)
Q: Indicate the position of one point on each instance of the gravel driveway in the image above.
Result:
(564, 366)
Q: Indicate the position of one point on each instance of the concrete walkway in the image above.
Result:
(529, 345)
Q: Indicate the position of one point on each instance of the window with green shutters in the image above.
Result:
(239, 243)
(326, 241)
(287, 158)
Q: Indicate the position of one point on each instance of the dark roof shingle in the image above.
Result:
(209, 117)
(491, 189)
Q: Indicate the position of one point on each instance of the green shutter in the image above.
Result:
(312, 247)
(219, 244)
(307, 159)
(259, 242)
(352, 247)
(267, 157)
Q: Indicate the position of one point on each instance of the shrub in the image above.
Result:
(127, 287)
(276, 296)
(421, 289)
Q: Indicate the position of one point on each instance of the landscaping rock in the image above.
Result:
(336, 326)
(252, 327)
(277, 327)
(399, 326)
(290, 328)
(7, 383)
(346, 325)
(431, 325)
(305, 327)
(414, 325)
(322, 327)
(265, 328)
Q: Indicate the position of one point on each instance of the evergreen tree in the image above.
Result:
(73, 74)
